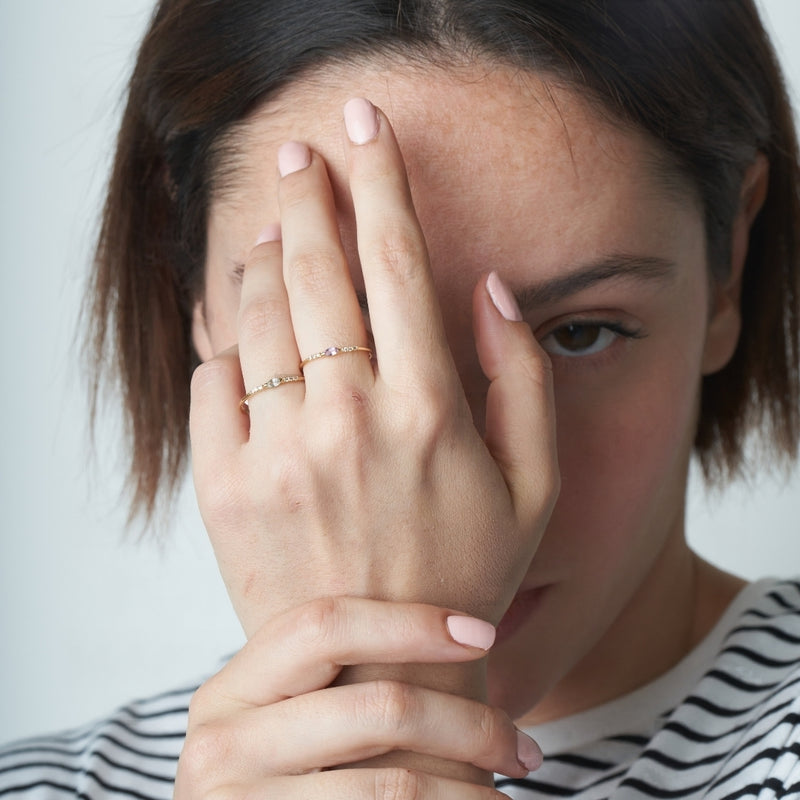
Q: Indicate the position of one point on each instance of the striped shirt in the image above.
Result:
(723, 724)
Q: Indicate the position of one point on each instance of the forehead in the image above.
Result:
(486, 149)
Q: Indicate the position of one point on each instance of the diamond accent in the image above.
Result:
(335, 351)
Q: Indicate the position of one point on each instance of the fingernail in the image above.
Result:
(471, 632)
(502, 298)
(271, 233)
(292, 157)
(529, 754)
(360, 120)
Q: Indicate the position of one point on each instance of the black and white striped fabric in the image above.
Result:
(723, 724)
(132, 754)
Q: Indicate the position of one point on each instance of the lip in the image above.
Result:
(522, 607)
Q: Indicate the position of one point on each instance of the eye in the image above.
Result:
(584, 338)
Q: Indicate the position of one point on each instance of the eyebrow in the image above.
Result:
(643, 269)
(609, 268)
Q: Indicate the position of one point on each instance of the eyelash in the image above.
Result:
(616, 331)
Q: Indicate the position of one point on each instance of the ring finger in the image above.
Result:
(267, 347)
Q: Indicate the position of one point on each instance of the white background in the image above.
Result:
(90, 618)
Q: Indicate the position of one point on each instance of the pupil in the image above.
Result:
(578, 337)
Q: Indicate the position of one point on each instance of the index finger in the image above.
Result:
(304, 649)
(404, 309)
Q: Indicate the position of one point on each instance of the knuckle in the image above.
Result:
(431, 415)
(553, 487)
(495, 730)
(399, 249)
(207, 376)
(220, 496)
(487, 724)
(259, 317)
(294, 193)
(318, 622)
(205, 751)
(547, 485)
(221, 793)
(310, 270)
(423, 419)
(348, 398)
(201, 704)
(347, 406)
(342, 430)
(391, 704)
(292, 485)
(396, 783)
(537, 368)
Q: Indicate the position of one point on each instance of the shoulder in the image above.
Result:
(773, 598)
(764, 639)
(744, 715)
(131, 754)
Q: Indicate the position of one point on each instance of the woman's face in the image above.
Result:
(608, 262)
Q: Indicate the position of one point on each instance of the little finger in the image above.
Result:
(217, 428)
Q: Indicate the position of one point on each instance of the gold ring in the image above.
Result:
(335, 351)
(272, 383)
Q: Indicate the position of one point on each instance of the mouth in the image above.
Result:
(521, 609)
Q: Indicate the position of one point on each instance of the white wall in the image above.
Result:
(89, 619)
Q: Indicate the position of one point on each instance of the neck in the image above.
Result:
(672, 611)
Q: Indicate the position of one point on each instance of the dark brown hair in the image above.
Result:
(700, 78)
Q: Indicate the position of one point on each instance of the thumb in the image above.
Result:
(520, 410)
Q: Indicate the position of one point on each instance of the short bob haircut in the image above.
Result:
(699, 78)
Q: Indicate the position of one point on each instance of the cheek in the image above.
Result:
(623, 453)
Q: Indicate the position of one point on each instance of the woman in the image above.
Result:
(611, 180)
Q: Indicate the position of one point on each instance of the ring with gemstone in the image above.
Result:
(335, 351)
(272, 383)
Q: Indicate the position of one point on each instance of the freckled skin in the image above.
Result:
(506, 175)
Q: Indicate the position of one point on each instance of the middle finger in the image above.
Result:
(324, 307)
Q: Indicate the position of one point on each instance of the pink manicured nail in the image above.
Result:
(292, 157)
(471, 632)
(271, 233)
(529, 754)
(502, 298)
(360, 120)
